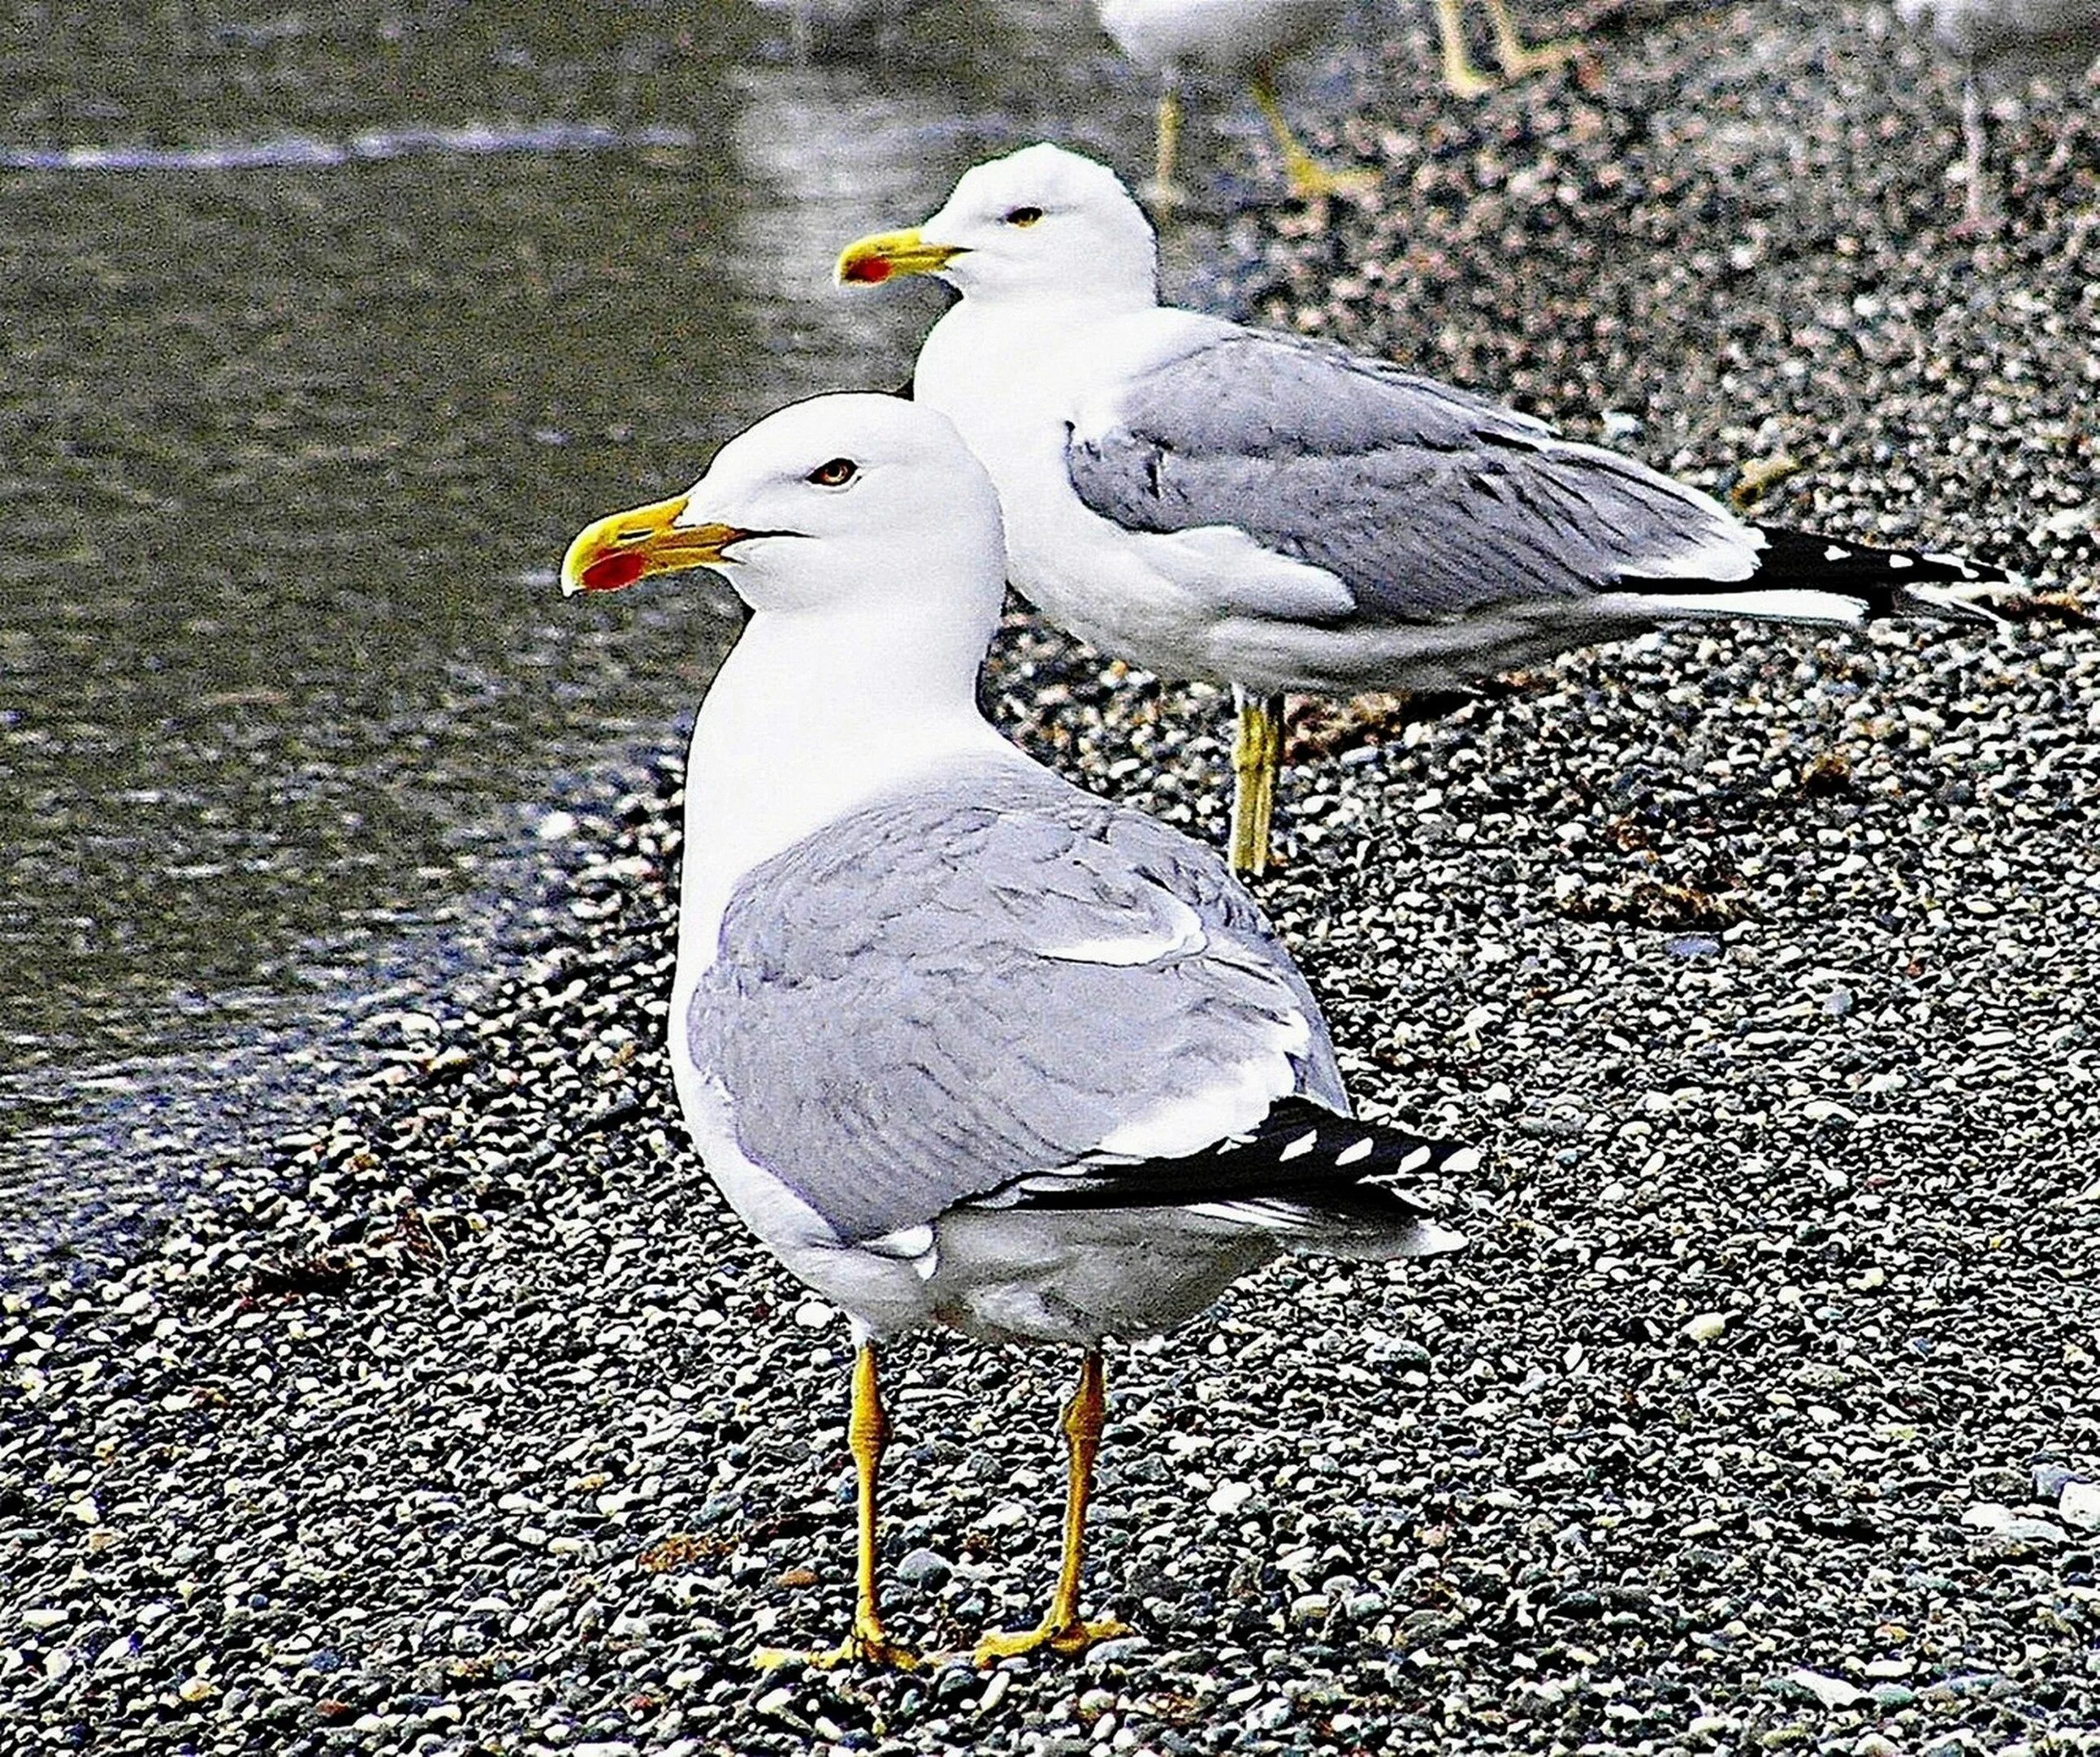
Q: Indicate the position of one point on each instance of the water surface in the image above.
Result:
(322, 330)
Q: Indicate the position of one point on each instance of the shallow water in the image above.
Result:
(323, 330)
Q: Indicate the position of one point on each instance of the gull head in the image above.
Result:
(845, 500)
(1041, 223)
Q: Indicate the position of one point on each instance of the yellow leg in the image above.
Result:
(867, 1432)
(1257, 760)
(1461, 79)
(1165, 191)
(1518, 60)
(1308, 177)
(1063, 1630)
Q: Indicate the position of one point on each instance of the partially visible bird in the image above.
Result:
(1998, 42)
(1245, 40)
(1248, 40)
(1210, 501)
(962, 1043)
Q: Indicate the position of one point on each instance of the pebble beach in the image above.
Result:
(1761, 1414)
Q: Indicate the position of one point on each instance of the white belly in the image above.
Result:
(1079, 1276)
(1219, 36)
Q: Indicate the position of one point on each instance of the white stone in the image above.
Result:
(1832, 1692)
(2080, 1503)
(1993, 1516)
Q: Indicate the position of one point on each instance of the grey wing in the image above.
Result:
(933, 1000)
(1426, 501)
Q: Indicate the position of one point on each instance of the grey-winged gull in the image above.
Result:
(1995, 40)
(1210, 500)
(1247, 40)
(959, 1042)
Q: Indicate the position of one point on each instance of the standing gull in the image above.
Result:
(1209, 500)
(1996, 39)
(1245, 40)
(960, 1042)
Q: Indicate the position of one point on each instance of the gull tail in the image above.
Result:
(1888, 582)
(1318, 1182)
(1801, 577)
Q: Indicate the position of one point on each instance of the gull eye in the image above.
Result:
(835, 474)
(1023, 217)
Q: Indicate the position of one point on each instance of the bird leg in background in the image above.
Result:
(1461, 79)
(1063, 1630)
(1976, 216)
(1257, 759)
(1308, 177)
(1165, 192)
(1518, 61)
(867, 1432)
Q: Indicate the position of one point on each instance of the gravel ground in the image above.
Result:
(1763, 1415)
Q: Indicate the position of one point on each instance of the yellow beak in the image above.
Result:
(873, 259)
(625, 547)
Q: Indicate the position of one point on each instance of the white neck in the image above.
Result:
(1013, 417)
(813, 713)
(1049, 313)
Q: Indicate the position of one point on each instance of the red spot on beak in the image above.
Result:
(609, 573)
(872, 270)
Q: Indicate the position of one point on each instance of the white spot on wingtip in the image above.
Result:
(1835, 552)
(1903, 561)
(1271, 1217)
(1304, 1144)
(1415, 1160)
(1464, 1160)
(1351, 1155)
(906, 1241)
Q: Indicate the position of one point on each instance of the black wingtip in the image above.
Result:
(1312, 1148)
(1888, 582)
(1300, 1152)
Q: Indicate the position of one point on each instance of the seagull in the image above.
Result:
(960, 1042)
(1210, 501)
(1247, 40)
(1994, 39)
